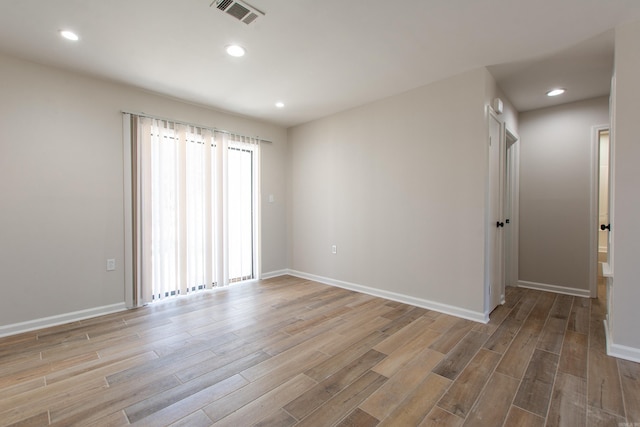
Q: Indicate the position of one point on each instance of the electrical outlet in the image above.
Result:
(111, 264)
(334, 249)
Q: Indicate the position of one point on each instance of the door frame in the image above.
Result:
(512, 186)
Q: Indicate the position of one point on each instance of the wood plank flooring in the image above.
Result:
(287, 351)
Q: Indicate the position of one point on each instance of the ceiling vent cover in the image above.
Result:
(238, 9)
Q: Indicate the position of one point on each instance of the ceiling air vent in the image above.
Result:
(238, 9)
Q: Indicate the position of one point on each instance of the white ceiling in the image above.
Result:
(322, 57)
(584, 69)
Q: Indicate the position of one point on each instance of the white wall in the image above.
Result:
(399, 186)
(555, 189)
(61, 187)
(625, 316)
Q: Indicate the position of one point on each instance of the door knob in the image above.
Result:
(499, 224)
(605, 227)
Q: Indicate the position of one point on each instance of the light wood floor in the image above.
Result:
(287, 351)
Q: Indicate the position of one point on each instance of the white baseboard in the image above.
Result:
(618, 350)
(406, 299)
(272, 274)
(623, 352)
(585, 293)
(46, 322)
(606, 270)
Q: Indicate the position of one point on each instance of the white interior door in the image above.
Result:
(495, 212)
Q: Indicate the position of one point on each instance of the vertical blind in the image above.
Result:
(195, 211)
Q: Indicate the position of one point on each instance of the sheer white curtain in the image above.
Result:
(196, 208)
(240, 206)
(176, 178)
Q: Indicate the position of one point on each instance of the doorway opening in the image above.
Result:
(603, 197)
(600, 208)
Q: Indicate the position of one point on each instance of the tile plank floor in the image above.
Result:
(288, 351)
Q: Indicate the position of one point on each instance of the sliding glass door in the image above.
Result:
(196, 210)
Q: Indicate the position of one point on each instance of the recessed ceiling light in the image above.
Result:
(69, 35)
(235, 50)
(280, 104)
(556, 92)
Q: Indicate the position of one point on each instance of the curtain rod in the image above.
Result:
(193, 124)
